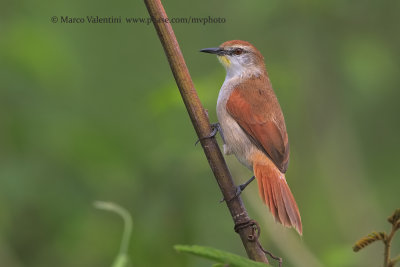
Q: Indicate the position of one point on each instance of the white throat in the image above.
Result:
(240, 72)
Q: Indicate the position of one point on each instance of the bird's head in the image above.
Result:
(239, 58)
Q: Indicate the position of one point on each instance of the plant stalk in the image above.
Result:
(202, 127)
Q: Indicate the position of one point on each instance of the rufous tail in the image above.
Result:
(275, 192)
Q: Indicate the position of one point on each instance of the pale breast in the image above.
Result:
(236, 140)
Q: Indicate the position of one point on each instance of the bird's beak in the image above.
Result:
(214, 50)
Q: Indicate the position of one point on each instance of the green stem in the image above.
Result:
(388, 244)
(394, 261)
(126, 218)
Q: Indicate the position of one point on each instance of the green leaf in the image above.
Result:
(219, 256)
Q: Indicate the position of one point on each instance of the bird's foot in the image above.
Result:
(239, 189)
(215, 127)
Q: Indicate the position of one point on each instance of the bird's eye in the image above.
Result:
(238, 51)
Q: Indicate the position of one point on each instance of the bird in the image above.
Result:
(252, 127)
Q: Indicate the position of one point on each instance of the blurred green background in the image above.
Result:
(91, 112)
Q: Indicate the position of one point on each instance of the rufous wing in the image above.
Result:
(255, 108)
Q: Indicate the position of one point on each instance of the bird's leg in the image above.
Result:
(240, 189)
(243, 186)
(221, 133)
(216, 127)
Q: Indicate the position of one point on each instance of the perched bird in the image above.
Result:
(253, 128)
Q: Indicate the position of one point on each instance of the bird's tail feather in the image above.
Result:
(277, 196)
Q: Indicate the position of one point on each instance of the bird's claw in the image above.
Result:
(215, 128)
(237, 193)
